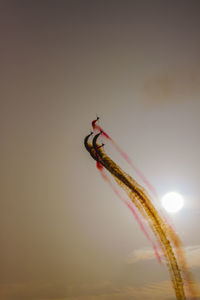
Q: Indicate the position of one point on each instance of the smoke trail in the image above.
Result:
(125, 156)
(100, 167)
(143, 203)
(162, 230)
(130, 206)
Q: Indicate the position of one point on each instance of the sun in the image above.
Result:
(172, 202)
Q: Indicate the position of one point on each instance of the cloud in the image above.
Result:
(141, 255)
(98, 291)
(102, 290)
(192, 254)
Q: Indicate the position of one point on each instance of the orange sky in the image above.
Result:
(64, 234)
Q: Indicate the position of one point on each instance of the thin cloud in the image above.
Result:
(98, 291)
(104, 290)
(192, 255)
(141, 255)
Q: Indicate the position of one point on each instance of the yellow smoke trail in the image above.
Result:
(162, 230)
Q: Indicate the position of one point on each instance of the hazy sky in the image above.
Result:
(64, 234)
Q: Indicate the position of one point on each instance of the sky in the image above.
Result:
(64, 233)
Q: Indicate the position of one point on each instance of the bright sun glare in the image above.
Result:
(172, 202)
